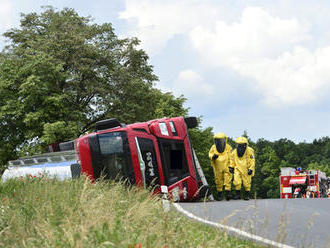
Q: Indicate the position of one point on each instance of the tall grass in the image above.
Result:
(50, 213)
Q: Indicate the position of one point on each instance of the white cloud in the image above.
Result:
(6, 17)
(191, 84)
(156, 22)
(266, 49)
(294, 78)
(5, 14)
(270, 50)
(256, 35)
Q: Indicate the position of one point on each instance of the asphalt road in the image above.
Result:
(294, 222)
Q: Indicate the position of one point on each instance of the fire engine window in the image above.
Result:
(174, 132)
(110, 156)
(163, 128)
(111, 143)
(174, 160)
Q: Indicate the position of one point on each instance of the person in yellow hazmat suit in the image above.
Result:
(243, 163)
(220, 155)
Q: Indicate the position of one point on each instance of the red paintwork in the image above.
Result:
(152, 132)
(285, 182)
(82, 148)
(192, 188)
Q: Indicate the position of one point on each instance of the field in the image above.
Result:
(40, 212)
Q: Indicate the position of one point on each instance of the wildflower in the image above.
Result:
(2, 209)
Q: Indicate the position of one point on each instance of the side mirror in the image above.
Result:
(191, 122)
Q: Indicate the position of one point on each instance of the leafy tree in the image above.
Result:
(267, 172)
(319, 166)
(168, 105)
(61, 73)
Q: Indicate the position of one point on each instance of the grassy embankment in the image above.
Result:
(50, 213)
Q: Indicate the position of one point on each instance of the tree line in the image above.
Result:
(270, 157)
(61, 73)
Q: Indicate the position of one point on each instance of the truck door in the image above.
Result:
(147, 164)
(176, 169)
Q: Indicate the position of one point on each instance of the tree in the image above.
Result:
(267, 172)
(319, 166)
(168, 105)
(61, 73)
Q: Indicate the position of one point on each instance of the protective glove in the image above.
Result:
(250, 172)
(231, 170)
(215, 156)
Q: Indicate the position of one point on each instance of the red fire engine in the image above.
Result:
(148, 154)
(303, 183)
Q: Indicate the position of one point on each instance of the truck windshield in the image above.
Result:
(111, 144)
(111, 157)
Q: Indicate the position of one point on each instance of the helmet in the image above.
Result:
(241, 140)
(242, 143)
(220, 140)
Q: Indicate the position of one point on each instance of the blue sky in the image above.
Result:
(260, 66)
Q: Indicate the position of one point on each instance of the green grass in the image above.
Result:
(50, 213)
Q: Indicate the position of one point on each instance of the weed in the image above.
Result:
(77, 213)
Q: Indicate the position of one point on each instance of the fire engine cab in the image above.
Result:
(149, 154)
(297, 183)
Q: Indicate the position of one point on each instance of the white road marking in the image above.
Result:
(232, 229)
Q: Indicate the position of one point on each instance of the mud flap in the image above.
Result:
(75, 170)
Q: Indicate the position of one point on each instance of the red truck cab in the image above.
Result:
(148, 154)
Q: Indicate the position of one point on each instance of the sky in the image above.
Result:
(261, 66)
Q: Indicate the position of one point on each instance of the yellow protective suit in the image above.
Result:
(242, 165)
(222, 176)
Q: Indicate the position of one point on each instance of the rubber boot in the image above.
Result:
(237, 195)
(219, 195)
(247, 195)
(227, 195)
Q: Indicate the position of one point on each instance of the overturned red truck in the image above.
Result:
(149, 154)
(297, 183)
